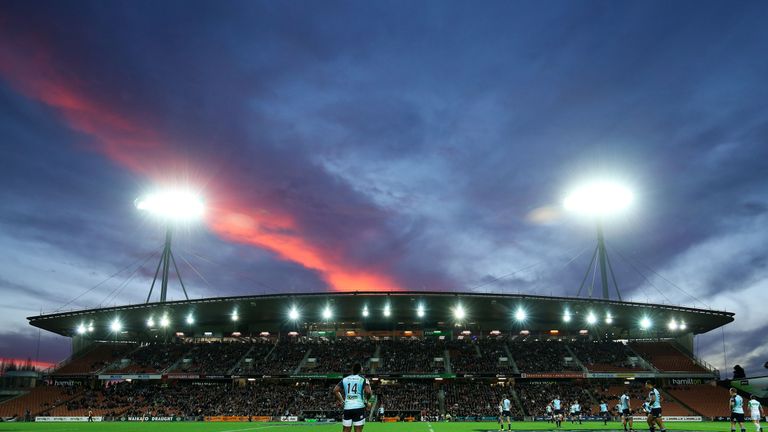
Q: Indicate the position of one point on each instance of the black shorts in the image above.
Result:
(356, 415)
(655, 412)
(626, 412)
(739, 417)
(506, 413)
(559, 412)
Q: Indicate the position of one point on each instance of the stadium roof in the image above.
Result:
(483, 312)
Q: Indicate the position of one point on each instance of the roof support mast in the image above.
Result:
(604, 263)
(166, 258)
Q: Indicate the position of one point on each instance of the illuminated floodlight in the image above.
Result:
(81, 329)
(293, 314)
(90, 328)
(150, 322)
(387, 311)
(116, 326)
(459, 313)
(327, 313)
(190, 319)
(520, 314)
(567, 316)
(673, 325)
(365, 311)
(235, 316)
(645, 323)
(608, 319)
(599, 198)
(420, 311)
(591, 318)
(164, 321)
(172, 204)
(682, 325)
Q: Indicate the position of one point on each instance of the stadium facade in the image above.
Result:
(438, 347)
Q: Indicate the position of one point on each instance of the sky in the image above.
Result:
(384, 145)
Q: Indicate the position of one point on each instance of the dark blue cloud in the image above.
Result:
(414, 138)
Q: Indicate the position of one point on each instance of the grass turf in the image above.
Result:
(369, 427)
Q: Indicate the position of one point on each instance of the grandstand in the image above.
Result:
(424, 360)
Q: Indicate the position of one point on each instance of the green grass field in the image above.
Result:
(369, 427)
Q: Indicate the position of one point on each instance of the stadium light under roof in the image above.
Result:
(673, 325)
(365, 311)
(165, 321)
(293, 314)
(387, 311)
(682, 325)
(567, 316)
(327, 314)
(116, 326)
(520, 314)
(459, 313)
(608, 318)
(645, 323)
(172, 204)
(81, 329)
(420, 311)
(591, 318)
(190, 319)
(235, 316)
(150, 322)
(599, 198)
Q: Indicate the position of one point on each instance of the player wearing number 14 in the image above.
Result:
(352, 393)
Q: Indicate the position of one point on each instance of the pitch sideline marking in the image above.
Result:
(248, 429)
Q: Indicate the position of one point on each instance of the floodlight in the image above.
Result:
(420, 311)
(645, 323)
(172, 204)
(90, 328)
(190, 319)
(520, 314)
(459, 312)
(81, 329)
(365, 311)
(387, 311)
(116, 326)
(672, 325)
(591, 318)
(599, 198)
(235, 316)
(567, 316)
(327, 313)
(293, 314)
(682, 325)
(164, 321)
(150, 322)
(608, 319)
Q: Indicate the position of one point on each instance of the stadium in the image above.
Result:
(435, 360)
(429, 356)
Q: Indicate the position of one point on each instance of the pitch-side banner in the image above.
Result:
(65, 419)
(130, 377)
(554, 375)
(671, 418)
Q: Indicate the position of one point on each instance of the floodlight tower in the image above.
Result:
(599, 200)
(172, 207)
